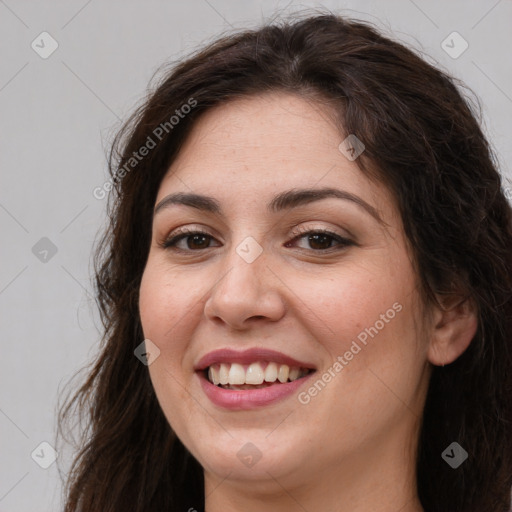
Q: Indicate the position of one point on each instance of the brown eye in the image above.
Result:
(322, 240)
(318, 239)
(195, 240)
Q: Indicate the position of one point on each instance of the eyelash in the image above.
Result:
(170, 243)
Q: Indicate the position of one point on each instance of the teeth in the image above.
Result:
(283, 373)
(294, 373)
(254, 374)
(257, 373)
(213, 376)
(236, 374)
(224, 374)
(271, 372)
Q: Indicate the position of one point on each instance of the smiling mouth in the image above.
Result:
(257, 375)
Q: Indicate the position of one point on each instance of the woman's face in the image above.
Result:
(343, 306)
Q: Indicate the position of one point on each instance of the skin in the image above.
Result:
(353, 446)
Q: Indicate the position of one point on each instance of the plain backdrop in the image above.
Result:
(58, 115)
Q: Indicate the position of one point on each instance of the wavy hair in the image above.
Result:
(424, 142)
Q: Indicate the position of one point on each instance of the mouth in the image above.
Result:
(256, 375)
(250, 379)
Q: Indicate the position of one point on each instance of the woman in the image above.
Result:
(305, 286)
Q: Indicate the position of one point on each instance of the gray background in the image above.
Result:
(57, 118)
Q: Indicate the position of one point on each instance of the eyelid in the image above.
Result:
(301, 230)
(342, 241)
(186, 230)
(297, 232)
(181, 233)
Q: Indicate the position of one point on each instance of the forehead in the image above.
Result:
(270, 126)
(251, 148)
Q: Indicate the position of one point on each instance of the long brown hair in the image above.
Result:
(423, 141)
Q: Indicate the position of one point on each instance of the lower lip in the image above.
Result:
(245, 399)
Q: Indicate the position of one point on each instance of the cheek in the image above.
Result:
(163, 311)
(153, 305)
(164, 300)
(368, 316)
(368, 325)
(348, 303)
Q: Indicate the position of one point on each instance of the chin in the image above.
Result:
(248, 457)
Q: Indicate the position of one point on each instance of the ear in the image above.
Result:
(453, 329)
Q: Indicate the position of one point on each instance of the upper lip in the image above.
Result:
(227, 355)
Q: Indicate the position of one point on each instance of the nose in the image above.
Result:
(246, 293)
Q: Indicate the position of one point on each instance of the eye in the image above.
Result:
(191, 237)
(319, 240)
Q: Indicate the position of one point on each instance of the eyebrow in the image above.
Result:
(283, 201)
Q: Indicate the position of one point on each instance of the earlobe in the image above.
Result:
(452, 331)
